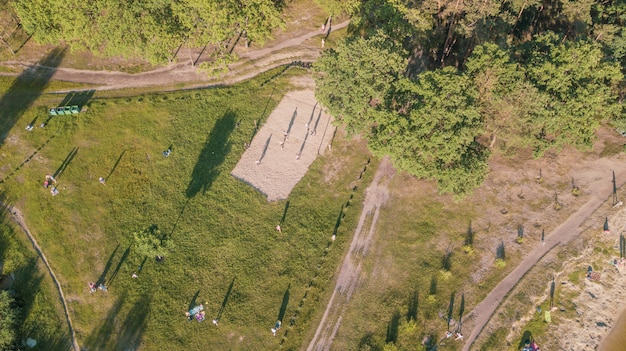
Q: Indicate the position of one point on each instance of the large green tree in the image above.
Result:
(580, 86)
(430, 127)
(355, 76)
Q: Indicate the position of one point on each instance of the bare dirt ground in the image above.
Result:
(376, 196)
(251, 63)
(280, 154)
(596, 176)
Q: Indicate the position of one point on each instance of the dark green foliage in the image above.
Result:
(151, 29)
(532, 75)
(152, 242)
(356, 76)
(8, 320)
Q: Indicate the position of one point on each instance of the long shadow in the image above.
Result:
(461, 311)
(180, 215)
(134, 325)
(317, 122)
(302, 146)
(282, 219)
(26, 89)
(267, 144)
(392, 328)
(212, 155)
(450, 309)
(115, 165)
(68, 159)
(28, 279)
(30, 157)
(115, 333)
(283, 306)
(338, 222)
(225, 301)
(103, 276)
(527, 337)
(312, 114)
(80, 98)
(293, 119)
(119, 265)
(411, 314)
(192, 302)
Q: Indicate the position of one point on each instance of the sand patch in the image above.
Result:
(295, 133)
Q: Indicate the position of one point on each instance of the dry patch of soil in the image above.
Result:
(295, 133)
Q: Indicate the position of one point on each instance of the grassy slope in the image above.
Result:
(222, 228)
(40, 310)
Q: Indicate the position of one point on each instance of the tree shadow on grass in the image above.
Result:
(103, 276)
(526, 337)
(192, 302)
(225, 301)
(115, 165)
(26, 89)
(134, 325)
(27, 283)
(68, 159)
(49, 332)
(119, 264)
(392, 328)
(283, 306)
(212, 155)
(411, 314)
(116, 334)
(282, 219)
(79, 98)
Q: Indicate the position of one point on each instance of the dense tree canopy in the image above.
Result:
(357, 75)
(456, 80)
(150, 29)
(429, 128)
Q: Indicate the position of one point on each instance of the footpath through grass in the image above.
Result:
(39, 311)
(226, 251)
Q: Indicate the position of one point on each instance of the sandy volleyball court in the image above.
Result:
(286, 145)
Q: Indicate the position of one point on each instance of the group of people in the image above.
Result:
(92, 287)
(197, 313)
(51, 182)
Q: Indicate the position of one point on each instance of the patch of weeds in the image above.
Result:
(500, 263)
(494, 341)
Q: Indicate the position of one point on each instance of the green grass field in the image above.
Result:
(222, 229)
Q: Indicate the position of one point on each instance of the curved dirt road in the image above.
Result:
(250, 64)
(599, 190)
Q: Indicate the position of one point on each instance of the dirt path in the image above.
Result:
(250, 64)
(19, 219)
(599, 190)
(376, 196)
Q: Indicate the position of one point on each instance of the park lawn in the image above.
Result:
(222, 229)
(41, 315)
(417, 230)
